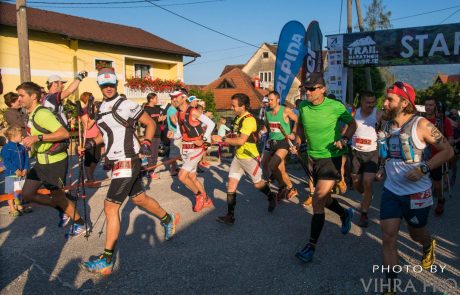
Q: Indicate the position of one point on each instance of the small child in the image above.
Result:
(16, 161)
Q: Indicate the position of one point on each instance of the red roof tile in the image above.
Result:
(90, 30)
(228, 68)
(242, 84)
(448, 78)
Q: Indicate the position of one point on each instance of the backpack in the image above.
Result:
(235, 128)
(57, 147)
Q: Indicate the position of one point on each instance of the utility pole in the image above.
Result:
(23, 40)
(350, 69)
(367, 70)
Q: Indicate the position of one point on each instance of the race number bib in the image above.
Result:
(19, 183)
(421, 200)
(122, 169)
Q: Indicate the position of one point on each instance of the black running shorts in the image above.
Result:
(364, 162)
(52, 176)
(326, 169)
(120, 188)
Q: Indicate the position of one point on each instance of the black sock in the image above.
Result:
(266, 190)
(335, 207)
(80, 221)
(317, 223)
(59, 209)
(166, 219)
(108, 254)
(364, 214)
(231, 202)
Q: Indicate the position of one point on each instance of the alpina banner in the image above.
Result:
(289, 56)
(408, 46)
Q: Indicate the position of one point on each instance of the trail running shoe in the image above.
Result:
(76, 230)
(346, 221)
(308, 201)
(199, 202)
(292, 192)
(226, 219)
(207, 202)
(99, 265)
(63, 219)
(306, 254)
(170, 228)
(429, 255)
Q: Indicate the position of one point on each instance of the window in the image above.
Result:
(265, 76)
(265, 54)
(101, 63)
(141, 71)
(225, 85)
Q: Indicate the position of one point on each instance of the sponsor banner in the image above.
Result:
(289, 56)
(408, 46)
(336, 75)
(313, 60)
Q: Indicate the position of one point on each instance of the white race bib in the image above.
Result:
(122, 169)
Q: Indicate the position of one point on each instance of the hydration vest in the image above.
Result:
(236, 128)
(57, 147)
(189, 131)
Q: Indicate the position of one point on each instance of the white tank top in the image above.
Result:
(396, 169)
(365, 137)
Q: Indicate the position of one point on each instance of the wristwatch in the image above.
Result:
(205, 138)
(345, 139)
(424, 168)
(40, 137)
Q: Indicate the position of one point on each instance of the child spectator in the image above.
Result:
(16, 161)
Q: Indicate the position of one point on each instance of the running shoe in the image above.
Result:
(363, 221)
(271, 202)
(207, 202)
(226, 219)
(281, 194)
(199, 202)
(346, 221)
(76, 230)
(99, 265)
(306, 254)
(341, 187)
(170, 228)
(307, 203)
(63, 219)
(439, 208)
(292, 192)
(429, 255)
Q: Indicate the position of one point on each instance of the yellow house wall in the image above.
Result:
(55, 54)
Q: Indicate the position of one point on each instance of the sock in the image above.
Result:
(231, 202)
(108, 254)
(364, 214)
(317, 223)
(60, 210)
(80, 221)
(266, 190)
(335, 207)
(166, 219)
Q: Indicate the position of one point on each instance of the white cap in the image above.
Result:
(265, 99)
(55, 78)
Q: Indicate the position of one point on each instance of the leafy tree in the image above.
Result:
(207, 96)
(448, 93)
(359, 82)
(377, 17)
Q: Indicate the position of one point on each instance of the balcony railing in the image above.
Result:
(138, 95)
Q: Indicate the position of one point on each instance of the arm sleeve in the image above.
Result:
(249, 126)
(131, 108)
(209, 125)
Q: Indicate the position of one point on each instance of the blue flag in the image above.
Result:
(289, 57)
(313, 61)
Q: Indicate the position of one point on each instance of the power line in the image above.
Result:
(217, 60)
(224, 49)
(451, 15)
(41, 4)
(198, 24)
(340, 18)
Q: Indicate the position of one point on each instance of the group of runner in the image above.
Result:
(393, 142)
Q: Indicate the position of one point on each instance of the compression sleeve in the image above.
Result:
(209, 126)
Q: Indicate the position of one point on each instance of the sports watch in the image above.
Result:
(424, 168)
(40, 137)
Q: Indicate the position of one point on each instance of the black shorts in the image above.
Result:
(326, 169)
(52, 176)
(93, 155)
(278, 144)
(364, 162)
(436, 174)
(120, 188)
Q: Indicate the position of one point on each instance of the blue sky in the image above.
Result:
(253, 21)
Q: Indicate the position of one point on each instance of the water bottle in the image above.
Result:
(406, 148)
(382, 143)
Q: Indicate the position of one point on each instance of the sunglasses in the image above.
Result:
(401, 86)
(311, 89)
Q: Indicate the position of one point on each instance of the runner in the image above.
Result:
(194, 139)
(47, 142)
(116, 118)
(174, 143)
(407, 188)
(247, 158)
(278, 118)
(435, 115)
(319, 123)
(364, 154)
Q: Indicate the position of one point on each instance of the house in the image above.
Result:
(444, 79)
(64, 45)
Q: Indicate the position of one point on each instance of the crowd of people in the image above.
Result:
(412, 153)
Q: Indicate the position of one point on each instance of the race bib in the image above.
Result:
(421, 200)
(19, 183)
(122, 169)
(275, 127)
(363, 141)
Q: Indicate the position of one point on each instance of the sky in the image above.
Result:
(250, 21)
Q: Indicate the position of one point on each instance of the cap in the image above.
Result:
(178, 92)
(404, 90)
(106, 76)
(265, 99)
(315, 78)
(55, 78)
(192, 98)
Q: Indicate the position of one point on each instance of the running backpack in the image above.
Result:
(235, 128)
(57, 147)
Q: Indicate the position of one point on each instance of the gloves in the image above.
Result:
(82, 75)
(145, 148)
(90, 144)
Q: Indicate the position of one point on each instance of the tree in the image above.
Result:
(359, 82)
(377, 17)
(207, 96)
(448, 93)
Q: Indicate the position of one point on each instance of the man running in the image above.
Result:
(437, 118)
(319, 124)
(407, 188)
(247, 160)
(116, 118)
(47, 141)
(194, 138)
(278, 120)
(365, 157)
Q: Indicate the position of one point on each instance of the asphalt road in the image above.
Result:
(254, 256)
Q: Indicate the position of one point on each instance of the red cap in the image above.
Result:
(404, 90)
